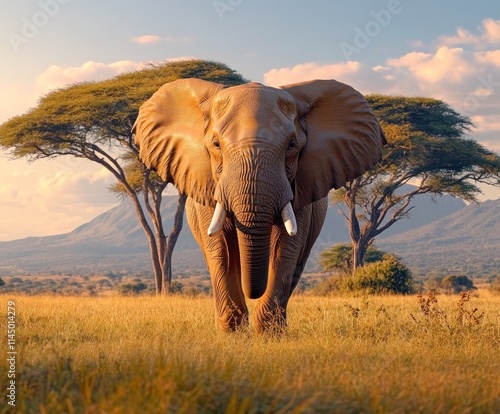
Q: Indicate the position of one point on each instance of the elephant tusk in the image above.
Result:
(288, 217)
(217, 220)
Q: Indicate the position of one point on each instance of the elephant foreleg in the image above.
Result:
(231, 309)
(270, 313)
(288, 259)
(224, 267)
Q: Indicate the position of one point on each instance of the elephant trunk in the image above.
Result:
(254, 215)
(257, 194)
(254, 262)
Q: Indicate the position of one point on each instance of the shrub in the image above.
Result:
(176, 287)
(456, 284)
(387, 276)
(104, 284)
(337, 257)
(131, 288)
(433, 283)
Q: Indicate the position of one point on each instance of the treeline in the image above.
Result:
(97, 285)
(476, 265)
(321, 284)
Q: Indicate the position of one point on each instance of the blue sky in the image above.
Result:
(448, 50)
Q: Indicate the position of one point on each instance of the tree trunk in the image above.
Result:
(357, 241)
(359, 248)
(171, 241)
(152, 242)
(157, 270)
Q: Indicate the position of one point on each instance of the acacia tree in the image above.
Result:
(339, 257)
(93, 120)
(428, 147)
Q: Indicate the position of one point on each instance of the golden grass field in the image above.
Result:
(339, 355)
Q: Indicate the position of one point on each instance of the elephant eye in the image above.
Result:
(216, 144)
(291, 145)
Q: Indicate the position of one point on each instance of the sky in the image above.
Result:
(447, 50)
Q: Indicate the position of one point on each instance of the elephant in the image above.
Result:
(256, 164)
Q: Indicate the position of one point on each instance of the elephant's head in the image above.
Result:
(253, 152)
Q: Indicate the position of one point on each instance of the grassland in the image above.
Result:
(339, 355)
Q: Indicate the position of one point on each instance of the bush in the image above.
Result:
(176, 287)
(433, 283)
(131, 288)
(456, 284)
(387, 276)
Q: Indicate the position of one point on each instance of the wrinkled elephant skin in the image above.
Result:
(257, 164)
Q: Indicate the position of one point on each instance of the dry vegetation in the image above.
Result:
(340, 355)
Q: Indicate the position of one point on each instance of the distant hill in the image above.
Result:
(114, 242)
(466, 242)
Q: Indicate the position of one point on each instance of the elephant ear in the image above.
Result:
(169, 132)
(343, 137)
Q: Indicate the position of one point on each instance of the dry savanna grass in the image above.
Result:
(339, 355)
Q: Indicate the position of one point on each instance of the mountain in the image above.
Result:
(466, 242)
(115, 242)
(112, 242)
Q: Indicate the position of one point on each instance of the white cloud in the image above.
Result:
(57, 76)
(310, 71)
(463, 37)
(23, 95)
(489, 33)
(491, 57)
(491, 30)
(63, 183)
(487, 123)
(445, 66)
(51, 197)
(150, 39)
(466, 77)
(146, 39)
(57, 195)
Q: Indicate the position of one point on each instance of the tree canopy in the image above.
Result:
(81, 118)
(339, 257)
(428, 147)
(93, 120)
